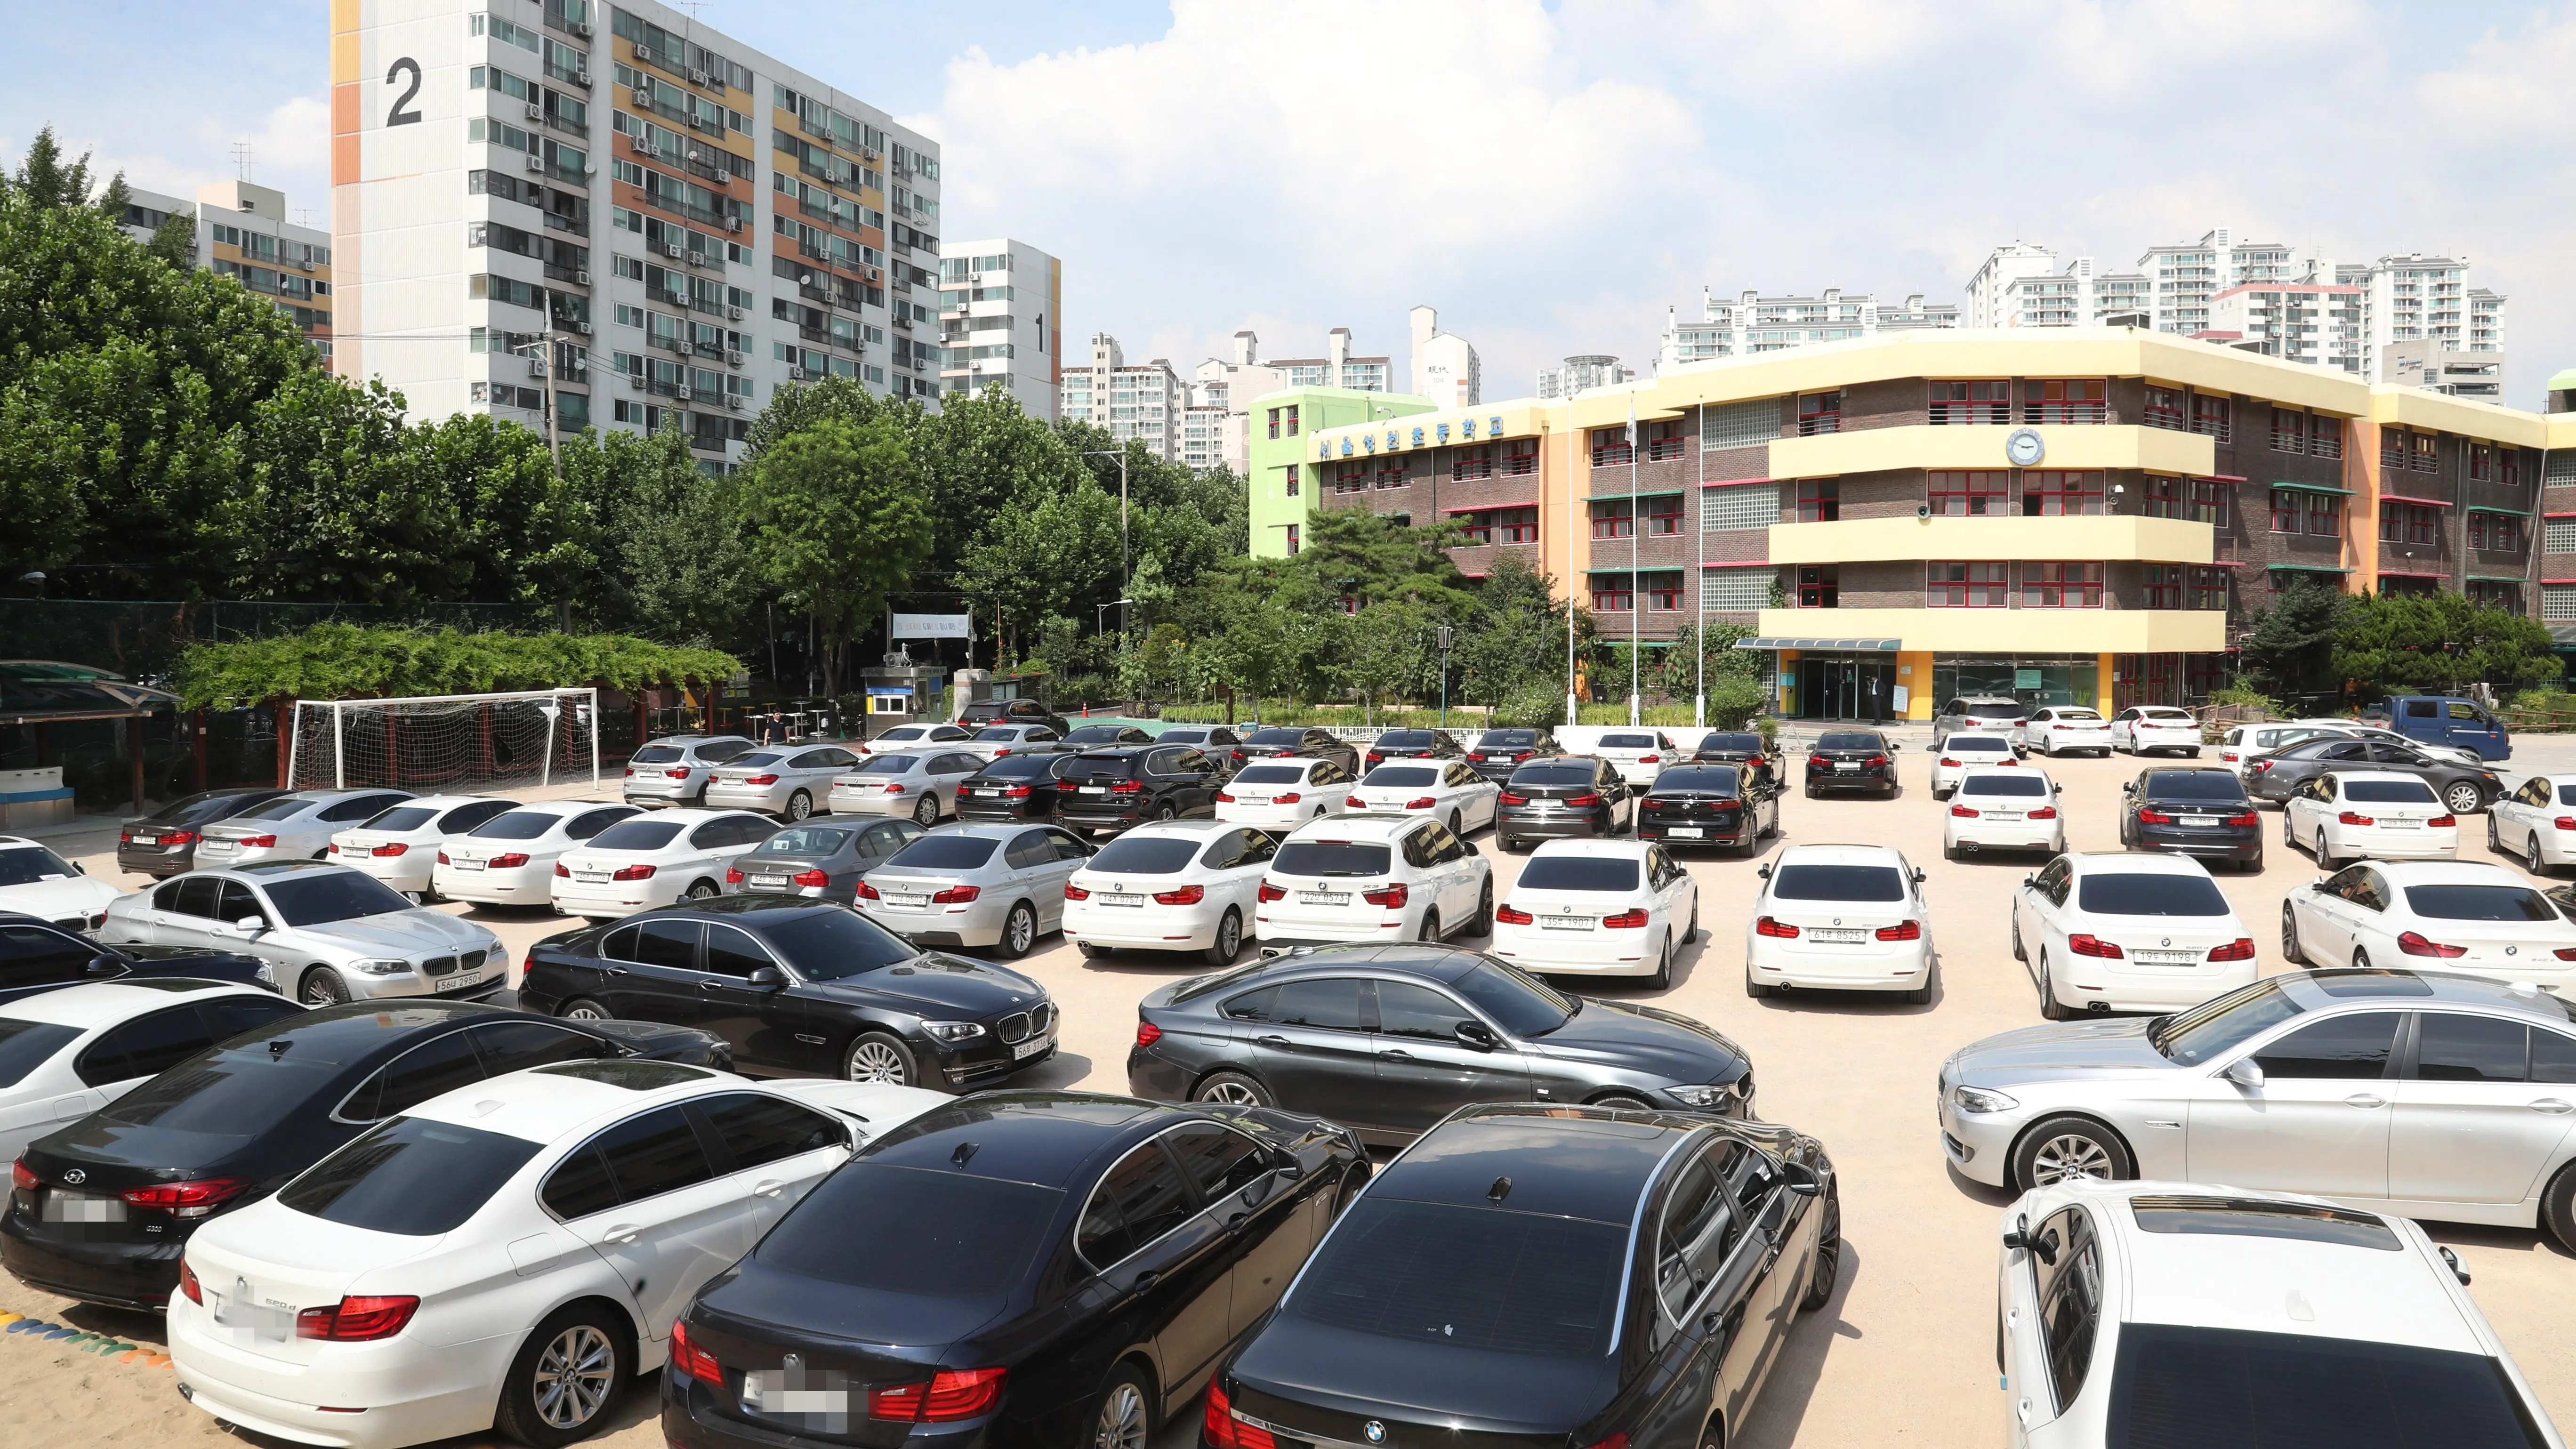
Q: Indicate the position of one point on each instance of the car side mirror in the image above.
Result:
(104, 966)
(1801, 1179)
(79, 869)
(1918, 875)
(1765, 871)
(2128, 787)
(2244, 1072)
(768, 978)
(2031, 879)
(251, 925)
(1477, 1035)
(2319, 884)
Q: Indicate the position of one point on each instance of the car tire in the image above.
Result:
(2464, 797)
(1828, 1269)
(2494, 841)
(2291, 950)
(1430, 932)
(800, 806)
(1692, 934)
(2360, 959)
(1229, 939)
(1661, 978)
(925, 811)
(2323, 852)
(1123, 1416)
(2019, 953)
(583, 1008)
(2059, 1144)
(1164, 811)
(703, 890)
(1458, 824)
(1922, 995)
(2531, 857)
(1756, 989)
(1482, 923)
(1234, 1089)
(565, 1378)
(1019, 932)
(321, 987)
(1354, 1178)
(2050, 1008)
(2558, 1207)
(880, 1056)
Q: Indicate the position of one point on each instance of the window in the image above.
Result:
(2559, 535)
(1292, 419)
(2324, 514)
(1663, 592)
(2325, 436)
(1968, 495)
(1663, 441)
(1741, 425)
(2482, 465)
(2202, 500)
(2509, 467)
(1520, 457)
(1393, 473)
(2070, 1309)
(2061, 586)
(1405, 1009)
(414, 1077)
(1664, 516)
(2285, 511)
(144, 1047)
(1222, 1162)
(2289, 431)
(1351, 477)
(2208, 587)
(1820, 412)
(512, 1046)
(2164, 408)
(1819, 586)
(2164, 586)
(1757, 505)
(762, 1129)
(1141, 1199)
(2340, 1048)
(2055, 493)
(1967, 585)
(2499, 531)
(1470, 464)
(1735, 591)
(1611, 595)
(1614, 518)
(440, 1175)
(2392, 448)
(1956, 403)
(2209, 416)
(1274, 422)
(2423, 455)
(1289, 476)
(1506, 525)
(1611, 448)
(1293, 542)
(1820, 500)
(2410, 523)
(2068, 400)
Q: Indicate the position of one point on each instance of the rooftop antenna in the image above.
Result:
(241, 157)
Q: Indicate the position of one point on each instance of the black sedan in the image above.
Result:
(1390, 1039)
(1740, 747)
(1567, 797)
(1696, 804)
(1852, 760)
(1414, 745)
(1015, 787)
(1115, 788)
(800, 988)
(1082, 737)
(1499, 752)
(818, 861)
(164, 843)
(1280, 741)
(1020, 1269)
(2466, 789)
(2192, 812)
(1009, 711)
(1547, 1276)
(100, 1210)
(39, 956)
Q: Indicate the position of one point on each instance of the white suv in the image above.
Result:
(1374, 878)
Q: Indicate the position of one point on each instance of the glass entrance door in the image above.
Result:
(1845, 687)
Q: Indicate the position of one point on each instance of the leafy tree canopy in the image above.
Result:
(344, 661)
(2397, 643)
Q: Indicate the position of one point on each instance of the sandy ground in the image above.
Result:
(1903, 1355)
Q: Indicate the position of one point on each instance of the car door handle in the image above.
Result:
(768, 1187)
(616, 970)
(1147, 1279)
(710, 985)
(2364, 1100)
(1236, 1220)
(623, 1233)
(2553, 1106)
(1396, 1054)
(1280, 1042)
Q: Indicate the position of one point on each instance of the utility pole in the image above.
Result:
(1121, 455)
(1572, 716)
(544, 347)
(1447, 635)
(1699, 579)
(1636, 606)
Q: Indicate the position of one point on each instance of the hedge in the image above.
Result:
(346, 661)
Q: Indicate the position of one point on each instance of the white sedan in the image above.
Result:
(992, 742)
(1638, 755)
(1966, 749)
(1374, 878)
(2538, 820)
(1599, 908)
(915, 736)
(2144, 729)
(919, 783)
(1449, 789)
(2114, 931)
(509, 860)
(2430, 916)
(2059, 729)
(2242, 743)
(36, 882)
(1992, 808)
(2368, 815)
(506, 1256)
(1284, 793)
(399, 845)
(68, 1052)
(1170, 885)
(637, 865)
(1840, 917)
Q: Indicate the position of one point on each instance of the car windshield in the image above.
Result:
(1331, 857)
(2004, 782)
(2479, 903)
(946, 852)
(25, 1044)
(1401, 776)
(2389, 792)
(913, 1231)
(1731, 744)
(401, 817)
(1578, 873)
(656, 755)
(331, 895)
(2172, 1384)
(189, 809)
(225, 1093)
(1850, 740)
(1146, 855)
(284, 807)
(2149, 895)
(887, 765)
(1271, 775)
(1975, 745)
(637, 835)
(1523, 1004)
(28, 864)
(1473, 1279)
(1838, 883)
(804, 840)
(2222, 1023)
(829, 945)
(1574, 773)
(410, 1176)
(2217, 786)
(516, 825)
(1276, 739)
(1696, 780)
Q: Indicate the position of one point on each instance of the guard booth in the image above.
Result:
(977, 686)
(900, 695)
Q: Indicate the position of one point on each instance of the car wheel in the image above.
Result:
(582, 1008)
(2323, 852)
(2050, 1009)
(1019, 931)
(703, 890)
(1124, 1417)
(1164, 811)
(1692, 934)
(1229, 939)
(1829, 1254)
(1234, 1089)
(322, 987)
(1457, 824)
(2065, 1148)
(2494, 842)
(2531, 854)
(2558, 1207)
(879, 1056)
(1354, 1178)
(1622, 1102)
(2019, 954)
(1430, 927)
(1661, 978)
(1482, 923)
(2287, 838)
(1922, 995)
(1756, 989)
(925, 811)
(800, 805)
(2464, 797)
(2360, 959)
(564, 1378)
(2290, 948)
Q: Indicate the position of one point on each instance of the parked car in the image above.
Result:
(1840, 917)
(922, 784)
(68, 1052)
(1218, 742)
(1694, 804)
(788, 783)
(1966, 750)
(2144, 729)
(39, 956)
(1559, 797)
(1853, 760)
(1674, 1253)
(992, 742)
(1374, 878)
(2124, 1300)
(639, 865)
(801, 988)
(2443, 720)
(468, 1265)
(2368, 814)
(1740, 747)
(103, 1207)
(164, 843)
(2265, 1075)
(1392, 1039)
(1413, 745)
(2540, 816)
(1171, 885)
(399, 845)
(1992, 808)
(2242, 743)
(1498, 753)
(1284, 792)
(1096, 736)
(2061, 729)
(916, 736)
(674, 769)
(2431, 916)
(509, 860)
(2192, 811)
(976, 885)
(2466, 789)
(2118, 932)
(1599, 908)
(1979, 712)
(1112, 788)
(1449, 789)
(2381, 734)
(818, 862)
(1010, 711)
(1313, 743)
(36, 882)
(290, 827)
(323, 933)
(1022, 787)
(1020, 1235)
(1638, 755)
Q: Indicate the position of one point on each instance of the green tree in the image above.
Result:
(333, 509)
(1370, 557)
(44, 181)
(674, 566)
(2437, 643)
(1054, 555)
(1512, 644)
(2290, 649)
(523, 534)
(836, 523)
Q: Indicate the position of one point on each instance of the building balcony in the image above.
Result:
(2117, 536)
(1873, 450)
(2023, 631)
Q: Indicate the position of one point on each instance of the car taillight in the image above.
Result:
(2565, 953)
(2261, 765)
(2414, 944)
(760, 779)
(1949, 764)
(1819, 762)
(1586, 798)
(2245, 817)
(733, 875)
(633, 872)
(1780, 929)
(1474, 756)
(1291, 798)
(1389, 896)
(179, 837)
(2007, 761)
(1147, 1033)
(185, 1199)
(1375, 758)
(1965, 812)
(1355, 802)
(1650, 759)
(865, 892)
(1875, 761)
(1222, 798)
(1523, 755)
(1017, 792)
(23, 1177)
(512, 861)
(692, 1360)
(562, 871)
(1627, 920)
(259, 842)
(356, 1319)
(1000, 752)
(1238, 757)
(679, 774)
(397, 848)
(442, 857)
(1420, 802)
(2083, 945)
(1902, 931)
(950, 1396)
(1188, 895)
(2153, 816)
(894, 789)
(2240, 949)
(332, 849)
(955, 895)
(2044, 812)
(1123, 787)
(1508, 798)
(2444, 822)
(2350, 818)
(1513, 916)
(1225, 1431)
(189, 1287)
(1074, 892)
(1269, 892)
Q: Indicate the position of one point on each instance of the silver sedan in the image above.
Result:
(919, 783)
(291, 827)
(788, 782)
(325, 932)
(674, 769)
(976, 885)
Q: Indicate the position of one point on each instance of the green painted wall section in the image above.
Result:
(1270, 459)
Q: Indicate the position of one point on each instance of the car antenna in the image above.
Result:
(279, 1047)
(964, 1151)
(1501, 1189)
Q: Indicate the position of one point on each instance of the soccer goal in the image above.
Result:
(452, 742)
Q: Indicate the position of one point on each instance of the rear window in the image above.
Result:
(1273, 738)
(26, 1044)
(1628, 742)
(1507, 739)
(637, 835)
(1975, 745)
(2150, 895)
(409, 1176)
(332, 895)
(2479, 903)
(1101, 767)
(517, 825)
(757, 757)
(282, 808)
(2389, 792)
(1402, 739)
(1003, 735)
(887, 765)
(1696, 779)
(1271, 775)
(1026, 767)
(2168, 716)
(2077, 716)
(2004, 783)
(1401, 776)
(1477, 1279)
(1145, 855)
(1744, 744)
(657, 755)
(1331, 857)
(224, 1093)
(1850, 740)
(2261, 1218)
(2173, 1386)
(946, 852)
(796, 840)
(401, 817)
(1578, 873)
(914, 1231)
(1571, 774)
(2218, 785)
(1838, 883)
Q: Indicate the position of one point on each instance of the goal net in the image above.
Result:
(457, 743)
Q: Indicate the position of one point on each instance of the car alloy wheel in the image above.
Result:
(573, 1377)
(2464, 798)
(2531, 854)
(586, 1009)
(2494, 842)
(323, 987)
(799, 805)
(1229, 940)
(1233, 1089)
(1019, 930)
(2290, 951)
(878, 1057)
(1124, 1420)
(925, 811)
(2069, 1155)
(703, 890)
(1829, 1254)
(2325, 856)
(2050, 1009)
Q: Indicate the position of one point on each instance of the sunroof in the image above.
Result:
(633, 1075)
(2368, 981)
(2253, 1217)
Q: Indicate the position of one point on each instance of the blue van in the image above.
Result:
(2439, 719)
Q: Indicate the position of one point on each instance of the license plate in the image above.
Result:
(2200, 820)
(909, 903)
(1846, 767)
(145, 840)
(1324, 898)
(1566, 923)
(1121, 900)
(81, 1207)
(1091, 789)
(591, 877)
(1252, 799)
(2003, 815)
(217, 847)
(771, 882)
(458, 983)
(1832, 937)
(2165, 958)
(1030, 1048)
(1685, 832)
(467, 864)
(2399, 824)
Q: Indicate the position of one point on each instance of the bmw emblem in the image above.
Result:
(1373, 1431)
(1838, 920)
(2509, 950)
(76, 1177)
(2167, 941)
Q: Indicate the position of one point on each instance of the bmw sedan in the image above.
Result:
(1312, 741)
(73, 1050)
(790, 783)
(674, 770)
(2466, 789)
(164, 843)
(38, 956)
(324, 932)
(2190, 811)
(819, 862)
(1498, 753)
(1022, 787)
(1391, 1039)
(968, 886)
(290, 827)
(1851, 760)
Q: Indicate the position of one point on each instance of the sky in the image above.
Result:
(1554, 177)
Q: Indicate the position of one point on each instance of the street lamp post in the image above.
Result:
(544, 347)
(1447, 635)
(1121, 455)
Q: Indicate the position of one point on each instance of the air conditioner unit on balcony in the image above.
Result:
(581, 327)
(579, 31)
(581, 278)
(733, 359)
(640, 143)
(699, 78)
(536, 112)
(734, 401)
(643, 51)
(734, 313)
(795, 374)
(733, 223)
(536, 162)
(644, 95)
(536, 367)
(634, 382)
(581, 78)
(671, 252)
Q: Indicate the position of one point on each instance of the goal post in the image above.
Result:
(456, 743)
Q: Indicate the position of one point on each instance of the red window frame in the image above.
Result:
(2509, 466)
(1519, 525)
(1520, 457)
(2061, 493)
(2482, 462)
(1663, 441)
(2285, 511)
(1957, 403)
(1967, 585)
(1613, 594)
(1664, 593)
(1977, 494)
(2066, 400)
(1664, 516)
(1820, 500)
(2210, 415)
(1394, 473)
(1611, 448)
(2289, 430)
(1469, 464)
(1819, 586)
(2061, 585)
(2422, 453)
(2392, 448)
(1351, 476)
(2164, 408)
(1613, 518)
(2498, 531)
(2164, 585)
(1819, 412)
(2208, 587)
(2324, 514)
(2325, 436)
(1293, 540)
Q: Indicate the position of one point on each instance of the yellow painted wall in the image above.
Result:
(2110, 536)
(2026, 631)
(1870, 450)
(1914, 675)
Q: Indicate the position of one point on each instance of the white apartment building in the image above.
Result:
(1338, 367)
(243, 233)
(2306, 322)
(1144, 402)
(2002, 267)
(1216, 428)
(686, 224)
(1445, 368)
(998, 304)
(2417, 313)
(2187, 275)
(1751, 323)
(1581, 371)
